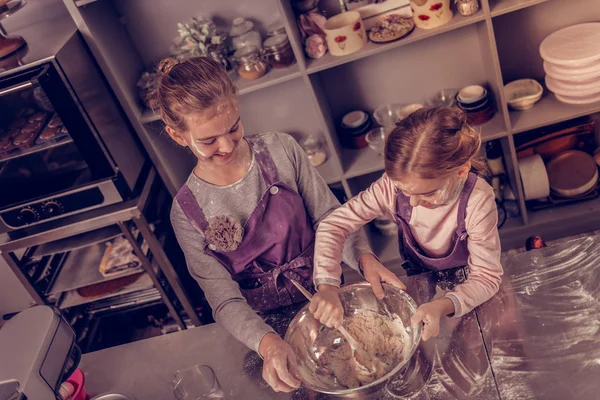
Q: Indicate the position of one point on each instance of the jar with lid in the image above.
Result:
(355, 126)
(315, 150)
(276, 28)
(278, 51)
(243, 34)
(250, 65)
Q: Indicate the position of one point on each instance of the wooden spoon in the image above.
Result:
(360, 356)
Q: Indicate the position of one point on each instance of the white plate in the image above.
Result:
(579, 100)
(573, 89)
(573, 46)
(572, 74)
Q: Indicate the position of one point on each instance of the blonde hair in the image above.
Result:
(194, 85)
(431, 143)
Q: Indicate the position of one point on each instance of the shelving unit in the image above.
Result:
(56, 259)
(493, 47)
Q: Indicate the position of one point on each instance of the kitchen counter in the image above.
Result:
(538, 338)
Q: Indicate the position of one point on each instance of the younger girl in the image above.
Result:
(446, 216)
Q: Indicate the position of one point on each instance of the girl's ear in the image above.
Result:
(176, 136)
(464, 170)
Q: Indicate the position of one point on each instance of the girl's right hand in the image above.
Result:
(327, 307)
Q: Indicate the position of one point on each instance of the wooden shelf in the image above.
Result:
(329, 61)
(501, 7)
(273, 77)
(547, 112)
(364, 161)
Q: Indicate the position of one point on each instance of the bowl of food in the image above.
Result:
(382, 327)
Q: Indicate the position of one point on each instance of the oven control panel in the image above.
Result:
(50, 209)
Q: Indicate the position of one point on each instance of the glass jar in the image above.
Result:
(278, 52)
(243, 34)
(250, 65)
(276, 28)
(315, 150)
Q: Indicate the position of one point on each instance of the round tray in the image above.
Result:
(558, 47)
(572, 74)
(573, 89)
(572, 173)
(579, 100)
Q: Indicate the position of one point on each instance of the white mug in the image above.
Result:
(430, 14)
(345, 33)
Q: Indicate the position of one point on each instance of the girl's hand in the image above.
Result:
(327, 307)
(375, 273)
(280, 369)
(430, 314)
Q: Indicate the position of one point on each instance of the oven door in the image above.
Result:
(47, 143)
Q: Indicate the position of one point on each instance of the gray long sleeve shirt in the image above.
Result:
(238, 201)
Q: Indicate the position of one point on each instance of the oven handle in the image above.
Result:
(16, 88)
(24, 85)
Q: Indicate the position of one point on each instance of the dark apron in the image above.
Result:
(278, 240)
(416, 261)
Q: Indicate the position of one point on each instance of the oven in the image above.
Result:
(65, 146)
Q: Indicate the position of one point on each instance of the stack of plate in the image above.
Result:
(572, 63)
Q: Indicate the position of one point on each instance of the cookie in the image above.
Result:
(55, 122)
(37, 117)
(23, 138)
(50, 132)
(5, 143)
(30, 128)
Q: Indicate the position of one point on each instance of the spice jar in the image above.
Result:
(243, 34)
(315, 150)
(250, 63)
(467, 7)
(276, 28)
(355, 126)
(278, 52)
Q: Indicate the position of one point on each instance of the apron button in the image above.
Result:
(212, 247)
(274, 190)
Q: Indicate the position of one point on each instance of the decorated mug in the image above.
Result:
(430, 14)
(345, 33)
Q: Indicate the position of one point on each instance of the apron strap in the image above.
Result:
(264, 159)
(461, 229)
(191, 209)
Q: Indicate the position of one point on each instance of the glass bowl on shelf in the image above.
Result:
(376, 140)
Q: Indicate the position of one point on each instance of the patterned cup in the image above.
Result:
(430, 14)
(345, 33)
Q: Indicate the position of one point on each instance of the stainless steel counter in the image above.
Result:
(542, 335)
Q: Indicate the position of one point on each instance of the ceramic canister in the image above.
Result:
(430, 14)
(345, 33)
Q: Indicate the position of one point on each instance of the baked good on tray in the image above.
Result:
(37, 117)
(50, 132)
(5, 143)
(24, 138)
(55, 122)
(391, 27)
(30, 128)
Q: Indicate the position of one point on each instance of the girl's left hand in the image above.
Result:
(375, 273)
(430, 314)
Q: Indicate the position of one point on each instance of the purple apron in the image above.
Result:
(416, 261)
(278, 240)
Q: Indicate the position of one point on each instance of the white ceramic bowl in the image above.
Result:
(471, 94)
(522, 94)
